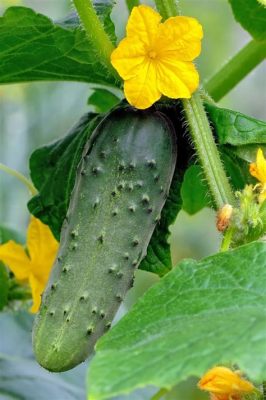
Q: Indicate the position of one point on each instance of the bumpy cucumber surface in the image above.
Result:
(121, 186)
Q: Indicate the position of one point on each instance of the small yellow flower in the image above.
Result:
(258, 170)
(33, 266)
(224, 384)
(155, 58)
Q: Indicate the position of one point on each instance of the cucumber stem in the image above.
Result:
(131, 4)
(236, 69)
(207, 151)
(167, 8)
(20, 177)
(96, 33)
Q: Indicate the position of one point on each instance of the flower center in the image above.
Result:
(152, 54)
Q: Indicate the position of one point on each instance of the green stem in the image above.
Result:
(20, 177)
(159, 394)
(227, 239)
(167, 8)
(236, 69)
(95, 32)
(131, 4)
(207, 151)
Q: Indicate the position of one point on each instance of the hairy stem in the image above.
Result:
(167, 8)
(95, 32)
(132, 3)
(236, 69)
(20, 177)
(207, 151)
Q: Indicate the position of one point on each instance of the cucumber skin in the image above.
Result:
(121, 187)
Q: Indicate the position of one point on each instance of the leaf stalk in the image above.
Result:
(236, 69)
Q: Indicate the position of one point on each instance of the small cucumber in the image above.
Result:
(121, 186)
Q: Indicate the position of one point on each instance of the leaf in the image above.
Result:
(20, 375)
(103, 100)
(158, 259)
(34, 48)
(199, 315)
(53, 171)
(235, 128)
(252, 16)
(7, 234)
(194, 191)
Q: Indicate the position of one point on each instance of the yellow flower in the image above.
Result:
(225, 384)
(258, 170)
(33, 266)
(155, 58)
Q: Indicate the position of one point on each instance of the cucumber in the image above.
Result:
(121, 186)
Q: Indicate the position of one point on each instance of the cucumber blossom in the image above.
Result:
(121, 186)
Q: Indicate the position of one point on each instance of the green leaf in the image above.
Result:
(158, 259)
(53, 171)
(194, 191)
(235, 128)
(103, 100)
(20, 375)
(199, 315)
(252, 16)
(34, 48)
(7, 234)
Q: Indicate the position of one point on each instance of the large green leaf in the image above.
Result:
(199, 315)
(32, 48)
(252, 16)
(20, 375)
(53, 171)
(235, 128)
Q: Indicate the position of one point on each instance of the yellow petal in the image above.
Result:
(143, 24)
(14, 256)
(258, 169)
(180, 36)
(37, 288)
(221, 380)
(141, 91)
(128, 57)
(42, 248)
(176, 79)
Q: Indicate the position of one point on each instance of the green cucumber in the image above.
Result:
(121, 187)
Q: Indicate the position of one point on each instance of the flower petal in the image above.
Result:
(258, 169)
(177, 79)
(37, 288)
(143, 23)
(182, 36)
(42, 248)
(14, 256)
(128, 57)
(223, 381)
(141, 91)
